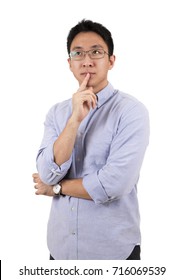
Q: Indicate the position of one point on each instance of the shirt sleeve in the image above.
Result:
(121, 171)
(49, 172)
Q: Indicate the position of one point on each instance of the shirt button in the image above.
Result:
(72, 208)
(73, 233)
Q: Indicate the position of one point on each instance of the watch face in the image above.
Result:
(56, 189)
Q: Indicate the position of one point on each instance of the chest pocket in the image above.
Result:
(96, 148)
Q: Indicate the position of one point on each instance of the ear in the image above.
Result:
(69, 62)
(112, 59)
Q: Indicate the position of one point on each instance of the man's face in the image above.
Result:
(98, 68)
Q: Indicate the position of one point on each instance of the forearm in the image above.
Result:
(75, 188)
(82, 101)
(70, 187)
(64, 144)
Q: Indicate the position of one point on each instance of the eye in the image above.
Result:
(76, 53)
(96, 52)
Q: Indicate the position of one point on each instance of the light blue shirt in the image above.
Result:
(108, 154)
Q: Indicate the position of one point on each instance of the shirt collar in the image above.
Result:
(104, 95)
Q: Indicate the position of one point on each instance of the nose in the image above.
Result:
(87, 62)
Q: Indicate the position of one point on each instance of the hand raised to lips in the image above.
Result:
(83, 100)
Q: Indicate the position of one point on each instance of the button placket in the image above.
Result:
(73, 243)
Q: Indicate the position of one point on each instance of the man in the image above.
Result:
(90, 157)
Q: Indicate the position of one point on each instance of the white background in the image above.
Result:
(35, 75)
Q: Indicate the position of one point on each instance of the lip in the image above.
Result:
(85, 73)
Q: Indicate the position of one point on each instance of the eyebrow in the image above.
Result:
(92, 47)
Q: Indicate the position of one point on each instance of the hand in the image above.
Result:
(42, 189)
(83, 100)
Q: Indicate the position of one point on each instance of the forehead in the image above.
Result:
(87, 40)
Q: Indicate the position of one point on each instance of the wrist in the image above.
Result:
(74, 122)
(57, 189)
(61, 188)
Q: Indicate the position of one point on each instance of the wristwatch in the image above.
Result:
(57, 189)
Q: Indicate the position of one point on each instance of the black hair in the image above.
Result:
(88, 26)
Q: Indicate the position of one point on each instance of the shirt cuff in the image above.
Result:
(95, 189)
(59, 170)
(49, 171)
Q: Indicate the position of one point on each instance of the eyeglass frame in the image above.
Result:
(89, 54)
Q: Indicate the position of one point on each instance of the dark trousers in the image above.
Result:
(135, 254)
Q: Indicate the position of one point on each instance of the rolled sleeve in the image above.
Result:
(93, 186)
(56, 119)
(51, 173)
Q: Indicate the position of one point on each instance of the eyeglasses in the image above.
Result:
(93, 54)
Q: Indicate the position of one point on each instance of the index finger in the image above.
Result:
(84, 82)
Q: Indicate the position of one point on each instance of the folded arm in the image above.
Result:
(72, 187)
(120, 173)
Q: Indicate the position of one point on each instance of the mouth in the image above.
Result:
(85, 73)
